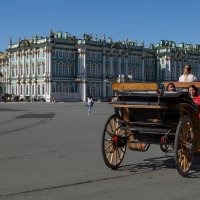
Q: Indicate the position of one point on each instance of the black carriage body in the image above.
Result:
(150, 116)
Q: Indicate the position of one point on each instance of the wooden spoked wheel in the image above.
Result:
(184, 146)
(114, 142)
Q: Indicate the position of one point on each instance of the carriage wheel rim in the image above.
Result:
(112, 153)
(184, 147)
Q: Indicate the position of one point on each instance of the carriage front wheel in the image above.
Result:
(114, 140)
(184, 146)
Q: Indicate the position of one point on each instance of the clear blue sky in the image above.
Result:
(148, 20)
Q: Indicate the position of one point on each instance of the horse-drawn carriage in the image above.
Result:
(147, 114)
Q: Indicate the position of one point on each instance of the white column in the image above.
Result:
(82, 72)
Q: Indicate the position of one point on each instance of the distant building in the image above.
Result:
(171, 60)
(3, 67)
(66, 68)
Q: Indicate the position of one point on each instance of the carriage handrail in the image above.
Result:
(135, 86)
(182, 84)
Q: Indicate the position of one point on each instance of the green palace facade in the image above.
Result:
(67, 68)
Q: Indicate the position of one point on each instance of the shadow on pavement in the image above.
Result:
(160, 163)
(37, 115)
(9, 109)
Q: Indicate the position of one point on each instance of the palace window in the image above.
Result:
(66, 69)
(33, 89)
(16, 70)
(53, 54)
(72, 71)
(43, 67)
(54, 88)
(93, 56)
(26, 70)
(43, 89)
(60, 54)
(54, 68)
(13, 91)
(60, 73)
(39, 69)
(13, 57)
(13, 72)
(38, 89)
(33, 69)
(26, 89)
(21, 90)
(88, 56)
(21, 70)
(64, 88)
(99, 56)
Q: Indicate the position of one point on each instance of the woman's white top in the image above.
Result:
(89, 101)
(187, 78)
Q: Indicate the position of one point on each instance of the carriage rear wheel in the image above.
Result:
(114, 140)
(184, 146)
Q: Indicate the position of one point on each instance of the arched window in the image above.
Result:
(16, 90)
(13, 91)
(65, 69)
(106, 70)
(33, 90)
(72, 88)
(60, 87)
(72, 69)
(38, 89)
(33, 68)
(60, 69)
(93, 90)
(54, 87)
(43, 89)
(88, 69)
(39, 69)
(64, 88)
(26, 89)
(27, 70)
(21, 70)
(21, 90)
(13, 72)
(93, 70)
(54, 68)
(43, 67)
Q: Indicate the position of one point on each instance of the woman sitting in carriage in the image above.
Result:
(193, 93)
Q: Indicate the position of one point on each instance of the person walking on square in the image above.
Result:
(187, 75)
(89, 104)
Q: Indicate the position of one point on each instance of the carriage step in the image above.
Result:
(146, 131)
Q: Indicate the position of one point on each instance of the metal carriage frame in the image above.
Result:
(145, 114)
